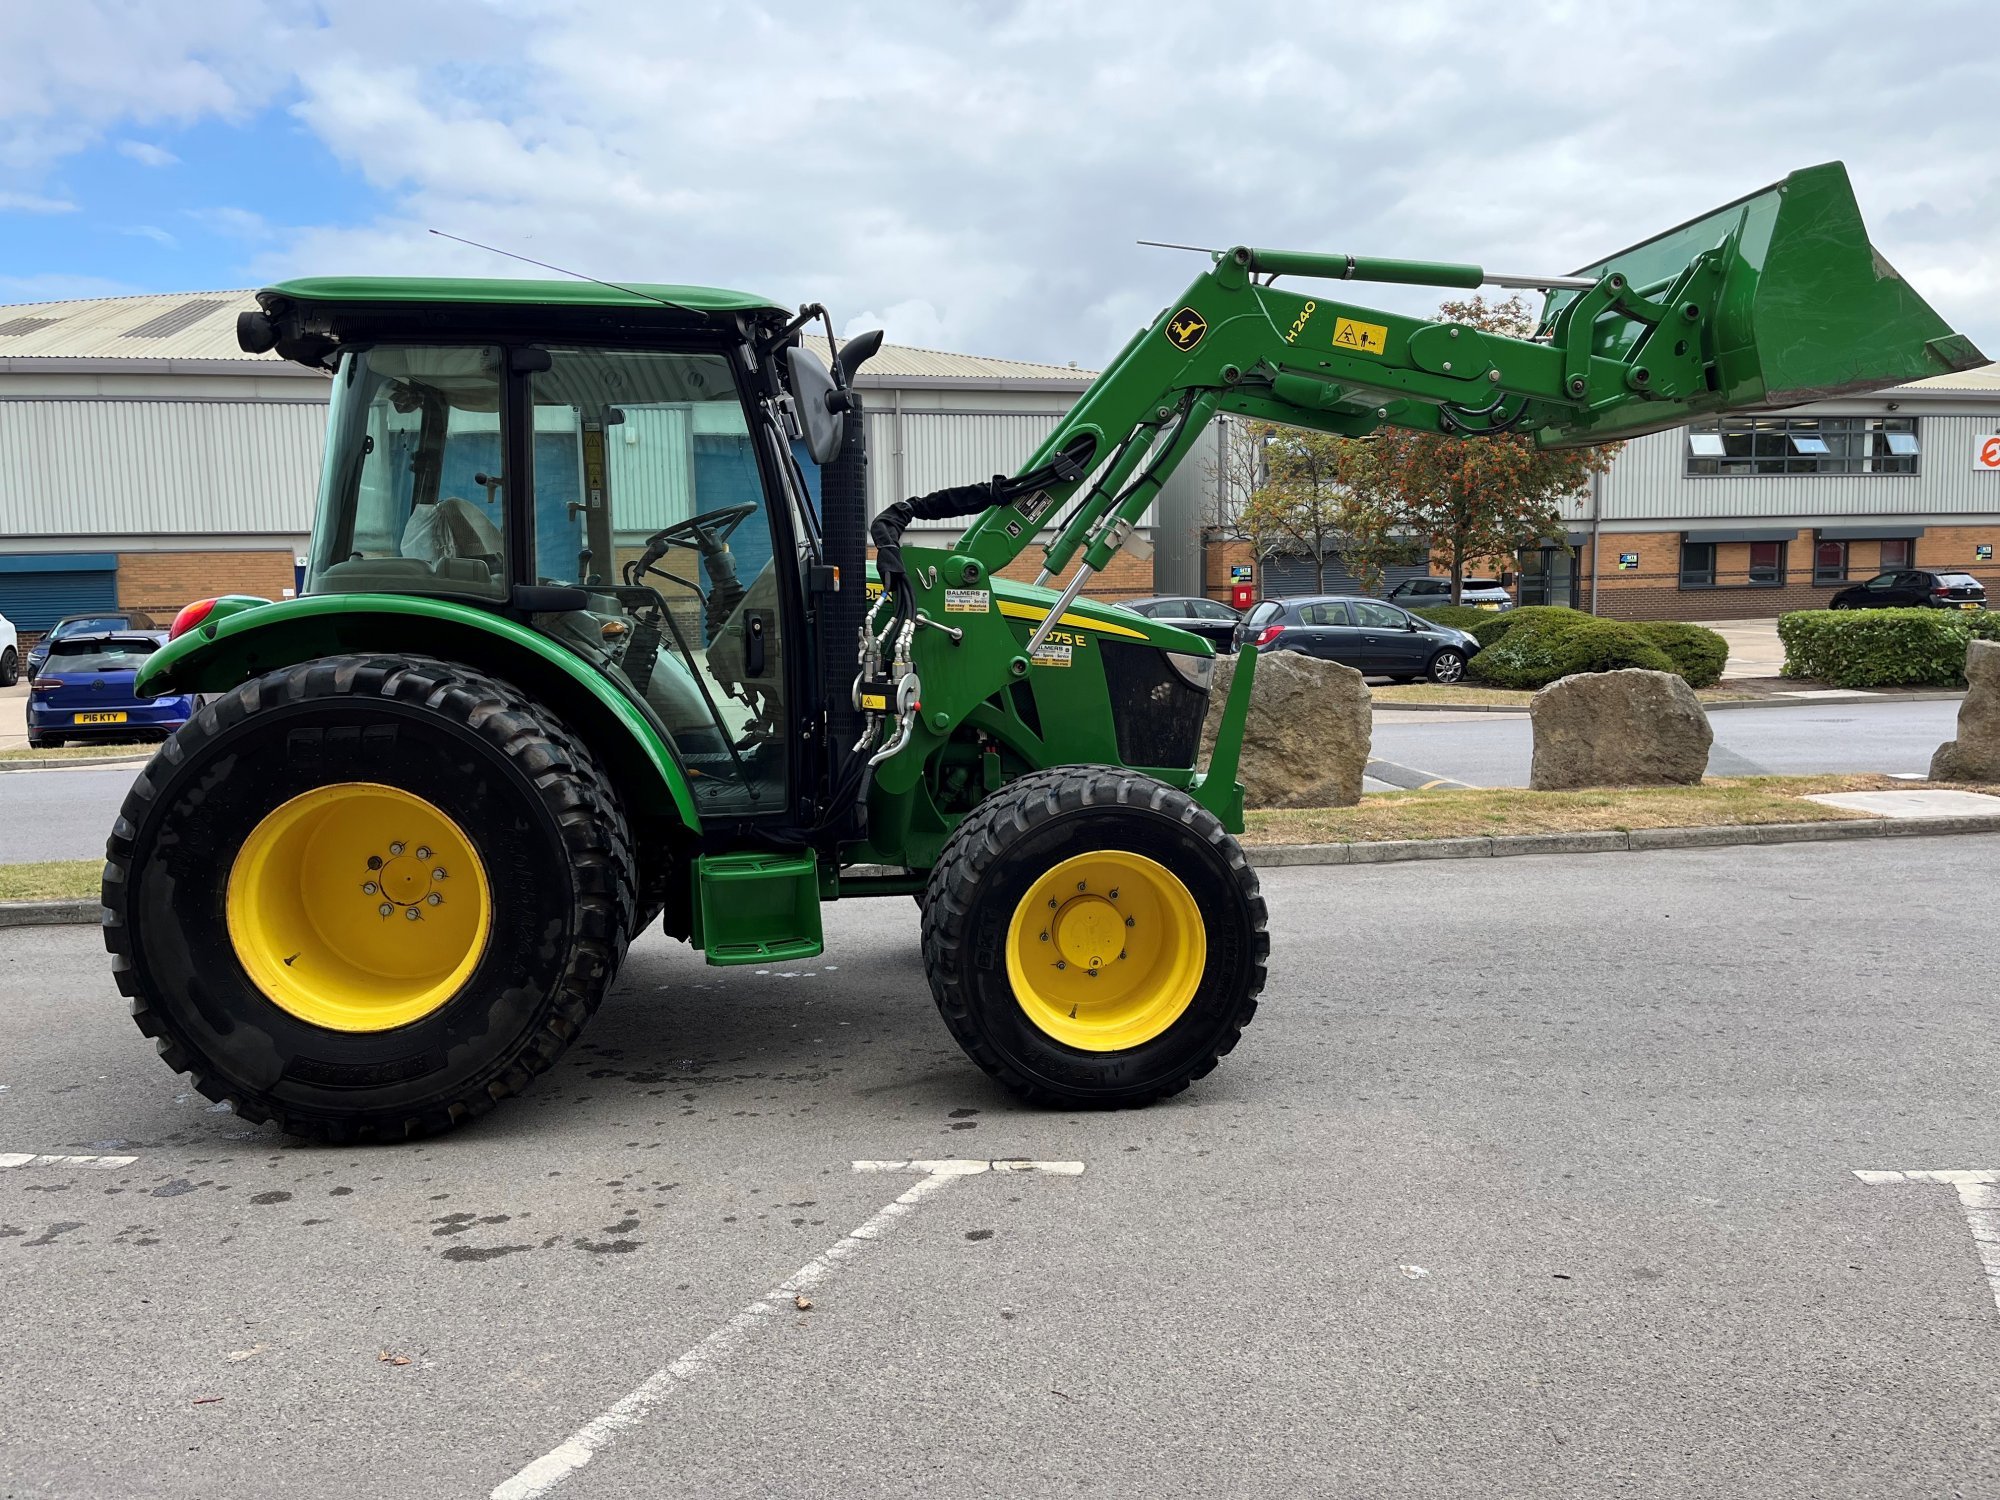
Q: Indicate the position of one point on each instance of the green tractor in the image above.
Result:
(587, 641)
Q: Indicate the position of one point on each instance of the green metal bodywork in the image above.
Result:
(242, 637)
(1775, 299)
(581, 294)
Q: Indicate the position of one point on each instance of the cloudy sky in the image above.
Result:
(970, 175)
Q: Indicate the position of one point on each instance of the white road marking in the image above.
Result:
(552, 1468)
(31, 1159)
(1978, 1199)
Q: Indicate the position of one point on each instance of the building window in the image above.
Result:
(1767, 564)
(1697, 565)
(1898, 552)
(1830, 562)
(1804, 445)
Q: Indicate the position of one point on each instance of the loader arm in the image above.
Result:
(1770, 301)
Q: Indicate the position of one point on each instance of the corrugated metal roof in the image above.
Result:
(202, 325)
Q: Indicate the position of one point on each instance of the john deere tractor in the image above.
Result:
(588, 642)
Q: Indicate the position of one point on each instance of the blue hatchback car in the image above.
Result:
(83, 691)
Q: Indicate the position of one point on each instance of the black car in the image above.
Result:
(1203, 617)
(1376, 639)
(1913, 588)
(112, 620)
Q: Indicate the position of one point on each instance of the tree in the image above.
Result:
(1472, 497)
(1301, 497)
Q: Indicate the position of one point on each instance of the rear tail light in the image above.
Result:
(1940, 592)
(44, 685)
(1268, 634)
(190, 616)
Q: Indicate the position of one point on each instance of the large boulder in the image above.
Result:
(1626, 728)
(1305, 743)
(1975, 754)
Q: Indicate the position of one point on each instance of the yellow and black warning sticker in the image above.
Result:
(1361, 338)
(967, 601)
(874, 703)
(1185, 329)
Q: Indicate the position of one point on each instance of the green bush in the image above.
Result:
(1560, 643)
(1491, 627)
(1457, 616)
(1698, 654)
(1863, 648)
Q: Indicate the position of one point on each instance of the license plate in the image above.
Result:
(105, 718)
(1971, 604)
(1485, 606)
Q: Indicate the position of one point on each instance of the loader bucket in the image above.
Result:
(1806, 309)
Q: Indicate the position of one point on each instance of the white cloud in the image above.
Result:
(152, 232)
(979, 175)
(148, 155)
(32, 203)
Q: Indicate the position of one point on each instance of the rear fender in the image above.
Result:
(232, 646)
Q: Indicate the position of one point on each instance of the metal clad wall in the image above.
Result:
(77, 468)
(1648, 482)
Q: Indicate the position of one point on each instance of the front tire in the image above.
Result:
(368, 897)
(1094, 937)
(1447, 666)
(10, 667)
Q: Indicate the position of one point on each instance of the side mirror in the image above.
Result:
(814, 393)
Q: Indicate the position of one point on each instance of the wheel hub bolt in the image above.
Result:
(1130, 923)
(438, 873)
(435, 899)
(385, 908)
(396, 848)
(412, 913)
(423, 852)
(368, 888)
(1061, 965)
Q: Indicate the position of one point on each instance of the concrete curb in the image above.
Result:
(50, 913)
(1396, 851)
(73, 763)
(1639, 840)
(1861, 698)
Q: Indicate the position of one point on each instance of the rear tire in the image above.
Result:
(192, 918)
(10, 667)
(994, 873)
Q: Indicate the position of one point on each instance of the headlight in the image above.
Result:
(1196, 671)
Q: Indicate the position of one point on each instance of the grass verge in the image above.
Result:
(51, 880)
(1504, 810)
(1466, 695)
(77, 752)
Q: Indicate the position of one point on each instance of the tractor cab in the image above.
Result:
(630, 481)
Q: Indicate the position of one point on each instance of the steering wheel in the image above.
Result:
(706, 532)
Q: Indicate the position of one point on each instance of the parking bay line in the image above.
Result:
(1978, 1199)
(33, 1159)
(540, 1477)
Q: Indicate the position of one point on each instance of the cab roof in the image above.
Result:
(376, 290)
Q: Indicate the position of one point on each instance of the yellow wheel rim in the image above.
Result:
(358, 907)
(1106, 950)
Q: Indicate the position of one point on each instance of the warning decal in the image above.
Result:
(1362, 338)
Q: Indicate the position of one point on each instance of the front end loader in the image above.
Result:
(588, 641)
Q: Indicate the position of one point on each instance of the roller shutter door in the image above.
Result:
(1288, 575)
(36, 590)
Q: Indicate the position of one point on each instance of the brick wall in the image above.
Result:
(1128, 577)
(161, 582)
(1218, 557)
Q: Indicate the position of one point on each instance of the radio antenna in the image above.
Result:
(630, 291)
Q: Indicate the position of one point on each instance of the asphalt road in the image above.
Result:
(1533, 1177)
(1788, 741)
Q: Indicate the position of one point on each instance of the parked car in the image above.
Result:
(1209, 618)
(1376, 639)
(1912, 588)
(112, 620)
(10, 653)
(84, 692)
(1477, 593)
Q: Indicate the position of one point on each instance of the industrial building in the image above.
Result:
(145, 460)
